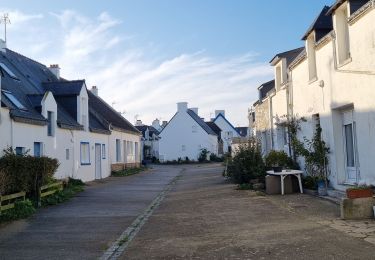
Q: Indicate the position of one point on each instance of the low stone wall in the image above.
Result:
(122, 166)
(360, 208)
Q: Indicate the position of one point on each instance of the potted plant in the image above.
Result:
(277, 160)
(359, 192)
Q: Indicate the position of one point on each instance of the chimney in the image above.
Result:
(3, 45)
(138, 123)
(194, 109)
(95, 91)
(164, 124)
(55, 69)
(218, 112)
(156, 124)
(182, 106)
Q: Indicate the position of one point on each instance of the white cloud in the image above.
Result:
(138, 83)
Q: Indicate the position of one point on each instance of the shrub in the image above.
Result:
(279, 158)
(22, 209)
(215, 158)
(247, 164)
(25, 172)
(73, 187)
(202, 157)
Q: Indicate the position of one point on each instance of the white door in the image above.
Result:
(350, 150)
(98, 161)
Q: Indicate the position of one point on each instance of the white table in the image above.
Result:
(286, 173)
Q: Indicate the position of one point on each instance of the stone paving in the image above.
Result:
(364, 229)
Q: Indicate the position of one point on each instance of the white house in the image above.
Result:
(228, 131)
(149, 141)
(185, 135)
(330, 83)
(43, 114)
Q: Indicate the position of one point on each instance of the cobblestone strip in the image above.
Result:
(120, 245)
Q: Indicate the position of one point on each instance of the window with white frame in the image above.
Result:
(85, 153)
(20, 150)
(183, 148)
(311, 56)
(278, 77)
(194, 129)
(104, 152)
(50, 123)
(342, 34)
(67, 154)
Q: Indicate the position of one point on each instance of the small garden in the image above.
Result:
(27, 183)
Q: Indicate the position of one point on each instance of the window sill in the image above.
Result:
(85, 164)
(314, 79)
(345, 62)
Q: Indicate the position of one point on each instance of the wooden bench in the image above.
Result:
(8, 201)
(50, 189)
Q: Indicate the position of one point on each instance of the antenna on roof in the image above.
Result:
(5, 20)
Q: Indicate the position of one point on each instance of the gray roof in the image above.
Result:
(354, 5)
(322, 25)
(214, 128)
(151, 130)
(288, 55)
(200, 122)
(27, 81)
(242, 130)
(265, 88)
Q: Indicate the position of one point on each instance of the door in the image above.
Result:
(37, 149)
(98, 161)
(350, 149)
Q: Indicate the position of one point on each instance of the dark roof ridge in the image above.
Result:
(320, 19)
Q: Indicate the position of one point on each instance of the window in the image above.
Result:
(183, 148)
(136, 151)
(14, 100)
(194, 129)
(342, 34)
(278, 77)
(311, 56)
(103, 151)
(20, 150)
(118, 150)
(67, 154)
(8, 71)
(38, 149)
(50, 126)
(84, 112)
(85, 153)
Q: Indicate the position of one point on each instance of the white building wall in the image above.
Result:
(336, 90)
(128, 155)
(227, 133)
(179, 141)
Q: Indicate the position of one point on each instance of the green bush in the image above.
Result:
(73, 187)
(22, 209)
(128, 172)
(202, 157)
(215, 158)
(247, 164)
(25, 172)
(277, 158)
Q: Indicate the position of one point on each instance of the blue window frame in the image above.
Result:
(85, 153)
(50, 123)
(38, 149)
(20, 150)
(103, 151)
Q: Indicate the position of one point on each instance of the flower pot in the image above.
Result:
(277, 168)
(359, 193)
(322, 189)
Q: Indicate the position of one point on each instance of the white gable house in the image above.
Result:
(186, 135)
(228, 131)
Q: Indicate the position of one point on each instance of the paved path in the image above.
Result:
(87, 225)
(205, 218)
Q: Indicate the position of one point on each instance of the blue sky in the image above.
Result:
(145, 56)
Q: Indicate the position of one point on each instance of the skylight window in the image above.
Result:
(14, 100)
(8, 71)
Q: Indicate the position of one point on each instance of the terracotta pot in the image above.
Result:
(360, 193)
